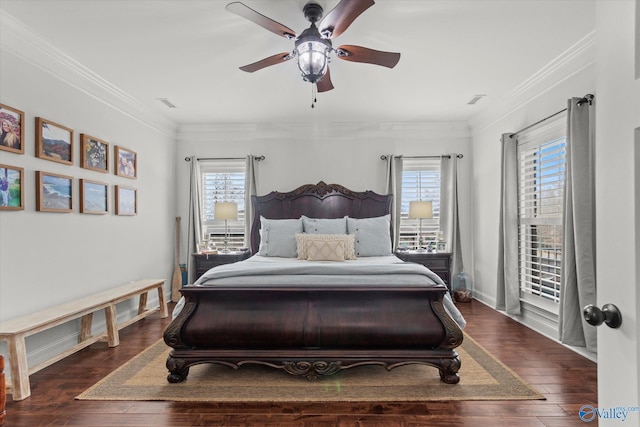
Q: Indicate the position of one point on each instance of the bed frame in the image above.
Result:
(314, 331)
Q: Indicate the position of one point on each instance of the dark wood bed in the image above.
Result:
(320, 330)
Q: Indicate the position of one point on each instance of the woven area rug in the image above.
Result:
(482, 377)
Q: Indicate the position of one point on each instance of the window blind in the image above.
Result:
(541, 164)
(223, 181)
(420, 181)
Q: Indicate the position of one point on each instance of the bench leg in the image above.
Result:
(164, 311)
(85, 327)
(112, 325)
(20, 388)
(142, 305)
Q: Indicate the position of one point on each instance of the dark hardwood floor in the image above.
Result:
(567, 379)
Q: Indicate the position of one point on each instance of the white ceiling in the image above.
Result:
(189, 51)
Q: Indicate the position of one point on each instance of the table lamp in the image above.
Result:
(421, 210)
(226, 211)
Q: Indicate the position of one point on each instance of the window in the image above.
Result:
(222, 181)
(541, 170)
(420, 181)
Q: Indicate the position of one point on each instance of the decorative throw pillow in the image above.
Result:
(325, 250)
(277, 237)
(348, 243)
(301, 238)
(372, 235)
(324, 225)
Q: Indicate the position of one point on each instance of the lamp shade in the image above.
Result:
(225, 210)
(421, 210)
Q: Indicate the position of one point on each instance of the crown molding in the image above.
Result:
(207, 132)
(572, 61)
(21, 41)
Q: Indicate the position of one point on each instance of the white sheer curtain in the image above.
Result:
(194, 233)
(578, 281)
(394, 186)
(449, 220)
(250, 189)
(508, 293)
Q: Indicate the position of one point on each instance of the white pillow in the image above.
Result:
(372, 235)
(277, 237)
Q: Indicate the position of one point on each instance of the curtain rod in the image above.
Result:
(448, 156)
(188, 159)
(587, 98)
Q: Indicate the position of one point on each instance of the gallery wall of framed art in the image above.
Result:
(54, 192)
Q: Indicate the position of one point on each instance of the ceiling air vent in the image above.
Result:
(166, 102)
(475, 99)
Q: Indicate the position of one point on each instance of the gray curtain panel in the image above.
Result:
(449, 220)
(394, 186)
(250, 189)
(194, 233)
(578, 281)
(508, 294)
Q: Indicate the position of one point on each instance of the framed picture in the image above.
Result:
(126, 200)
(11, 188)
(94, 197)
(54, 193)
(94, 154)
(126, 162)
(12, 130)
(54, 142)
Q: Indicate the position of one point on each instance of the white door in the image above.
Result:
(618, 208)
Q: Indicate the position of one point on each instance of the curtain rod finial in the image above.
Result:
(588, 98)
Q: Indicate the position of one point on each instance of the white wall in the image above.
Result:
(51, 258)
(336, 153)
(547, 92)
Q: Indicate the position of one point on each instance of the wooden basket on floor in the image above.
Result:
(462, 295)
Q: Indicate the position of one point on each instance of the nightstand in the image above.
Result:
(438, 262)
(204, 262)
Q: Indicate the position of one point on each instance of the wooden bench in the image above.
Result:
(14, 331)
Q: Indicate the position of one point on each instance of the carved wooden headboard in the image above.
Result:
(316, 201)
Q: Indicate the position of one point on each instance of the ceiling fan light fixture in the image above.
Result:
(313, 59)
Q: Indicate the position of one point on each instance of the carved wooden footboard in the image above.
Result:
(313, 332)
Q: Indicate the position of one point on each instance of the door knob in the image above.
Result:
(609, 315)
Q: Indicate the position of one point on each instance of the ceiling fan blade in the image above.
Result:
(325, 84)
(364, 54)
(340, 17)
(266, 62)
(246, 12)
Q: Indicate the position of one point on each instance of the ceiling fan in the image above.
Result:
(313, 46)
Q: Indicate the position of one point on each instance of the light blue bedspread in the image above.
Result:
(370, 271)
(282, 271)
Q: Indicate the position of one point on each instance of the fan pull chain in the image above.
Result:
(313, 95)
